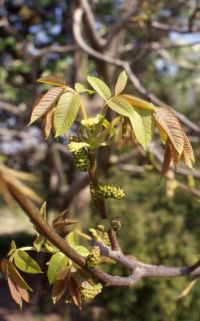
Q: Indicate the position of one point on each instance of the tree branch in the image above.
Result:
(126, 66)
(91, 23)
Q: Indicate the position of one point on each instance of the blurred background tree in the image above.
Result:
(160, 40)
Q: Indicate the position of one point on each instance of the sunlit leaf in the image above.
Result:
(56, 264)
(14, 292)
(43, 210)
(25, 262)
(24, 294)
(138, 102)
(82, 250)
(55, 80)
(72, 239)
(187, 155)
(175, 156)
(166, 118)
(81, 89)
(48, 123)
(12, 248)
(38, 242)
(120, 106)
(47, 101)
(187, 289)
(121, 83)
(66, 111)
(143, 126)
(166, 160)
(162, 133)
(100, 87)
(76, 146)
(75, 292)
(61, 284)
(16, 277)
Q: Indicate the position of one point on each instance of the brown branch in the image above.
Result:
(156, 46)
(149, 270)
(168, 28)
(192, 17)
(91, 23)
(100, 203)
(180, 63)
(10, 108)
(120, 24)
(126, 66)
(139, 269)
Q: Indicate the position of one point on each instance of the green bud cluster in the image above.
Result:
(105, 239)
(109, 191)
(91, 292)
(82, 160)
(93, 258)
(73, 138)
(116, 224)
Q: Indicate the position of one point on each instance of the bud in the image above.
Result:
(116, 224)
(73, 138)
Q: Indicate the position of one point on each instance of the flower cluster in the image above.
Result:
(109, 191)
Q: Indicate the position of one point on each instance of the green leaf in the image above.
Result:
(72, 239)
(121, 106)
(56, 264)
(76, 146)
(82, 250)
(138, 102)
(43, 210)
(81, 89)
(143, 125)
(16, 277)
(38, 242)
(25, 262)
(13, 247)
(100, 87)
(121, 83)
(45, 103)
(66, 111)
(55, 80)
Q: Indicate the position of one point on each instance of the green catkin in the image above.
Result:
(93, 258)
(109, 191)
(81, 160)
(91, 292)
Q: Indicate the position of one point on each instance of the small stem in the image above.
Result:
(100, 204)
(115, 121)
(83, 111)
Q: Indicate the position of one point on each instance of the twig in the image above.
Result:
(126, 66)
(91, 23)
